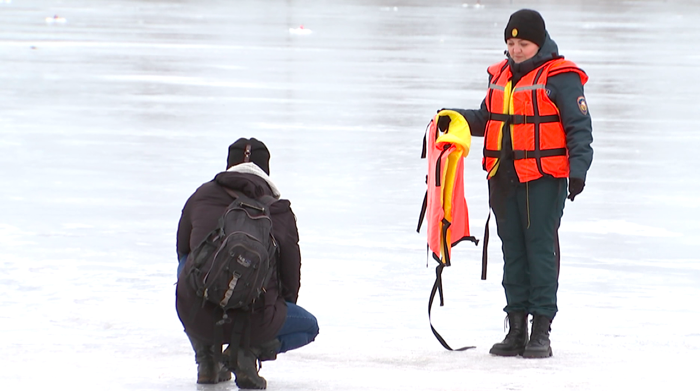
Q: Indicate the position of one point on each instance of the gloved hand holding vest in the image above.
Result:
(444, 123)
(575, 187)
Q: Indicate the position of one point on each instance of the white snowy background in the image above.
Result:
(113, 112)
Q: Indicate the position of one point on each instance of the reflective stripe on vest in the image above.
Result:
(537, 134)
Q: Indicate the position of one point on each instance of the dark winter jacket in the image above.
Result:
(564, 90)
(200, 216)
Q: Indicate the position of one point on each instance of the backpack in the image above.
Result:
(234, 263)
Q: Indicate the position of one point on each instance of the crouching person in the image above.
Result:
(215, 315)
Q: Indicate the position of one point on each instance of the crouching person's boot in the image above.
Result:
(245, 367)
(539, 346)
(267, 351)
(209, 371)
(515, 341)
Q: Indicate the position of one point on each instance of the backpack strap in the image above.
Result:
(240, 337)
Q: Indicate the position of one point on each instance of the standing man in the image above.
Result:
(537, 137)
(277, 324)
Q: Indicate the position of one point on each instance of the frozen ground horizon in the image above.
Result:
(111, 119)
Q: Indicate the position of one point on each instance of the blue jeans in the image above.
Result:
(181, 263)
(299, 329)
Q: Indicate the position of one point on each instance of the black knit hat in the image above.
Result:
(526, 24)
(245, 150)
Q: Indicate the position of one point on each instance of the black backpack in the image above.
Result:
(232, 266)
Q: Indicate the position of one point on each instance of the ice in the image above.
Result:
(301, 30)
(55, 20)
(111, 121)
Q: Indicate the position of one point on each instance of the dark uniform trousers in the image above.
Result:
(528, 217)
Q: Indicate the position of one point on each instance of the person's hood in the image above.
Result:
(233, 181)
(547, 52)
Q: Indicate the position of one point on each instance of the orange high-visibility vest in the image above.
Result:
(537, 134)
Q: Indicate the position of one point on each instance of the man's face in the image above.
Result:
(521, 49)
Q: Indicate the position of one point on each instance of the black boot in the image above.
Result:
(246, 371)
(267, 351)
(539, 346)
(208, 370)
(516, 339)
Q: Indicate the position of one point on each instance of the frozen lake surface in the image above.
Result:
(113, 112)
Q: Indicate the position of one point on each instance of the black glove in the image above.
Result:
(575, 187)
(444, 123)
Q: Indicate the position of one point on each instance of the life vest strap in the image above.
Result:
(425, 141)
(557, 251)
(492, 153)
(519, 154)
(446, 247)
(467, 238)
(484, 250)
(437, 288)
(423, 209)
(438, 165)
(519, 119)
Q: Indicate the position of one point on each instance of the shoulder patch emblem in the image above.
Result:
(582, 105)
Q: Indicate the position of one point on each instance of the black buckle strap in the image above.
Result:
(499, 117)
(492, 153)
(519, 119)
(519, 154)
(534, 119)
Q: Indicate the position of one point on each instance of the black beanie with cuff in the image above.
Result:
(249, 150)
(526, 24)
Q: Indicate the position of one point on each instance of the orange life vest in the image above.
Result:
(537, 134)
(444, 206)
